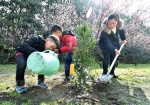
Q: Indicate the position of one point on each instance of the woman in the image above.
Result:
(109, 41)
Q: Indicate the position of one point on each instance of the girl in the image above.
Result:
(109, 41)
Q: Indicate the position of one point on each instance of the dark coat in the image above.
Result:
(108, 41)
(35, 43)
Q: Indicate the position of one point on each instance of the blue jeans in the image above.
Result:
(108, 58)
(68, 62)
(21, 66)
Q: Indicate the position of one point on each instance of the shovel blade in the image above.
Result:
(103, 79)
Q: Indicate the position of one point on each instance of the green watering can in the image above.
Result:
(46, 62)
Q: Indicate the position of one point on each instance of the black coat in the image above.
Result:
(35, 43)
(110, 42)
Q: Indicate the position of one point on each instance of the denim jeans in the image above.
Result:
(21, 66)
(68, 62)
(108, 58)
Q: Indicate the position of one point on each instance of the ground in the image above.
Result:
(122, 91)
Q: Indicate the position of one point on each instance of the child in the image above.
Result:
(35, 43)
(109, 41)
(68, 42)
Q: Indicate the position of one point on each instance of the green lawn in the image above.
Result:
(11, 68)
(132, 87)
(127, 69)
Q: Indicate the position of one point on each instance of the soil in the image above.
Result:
(112, 93)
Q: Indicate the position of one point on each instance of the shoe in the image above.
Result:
(41, 84)
(66, 80)
(115, 76)
(21, 89)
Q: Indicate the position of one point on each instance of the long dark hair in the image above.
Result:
(114, 16)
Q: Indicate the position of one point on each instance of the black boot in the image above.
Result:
(115, 76)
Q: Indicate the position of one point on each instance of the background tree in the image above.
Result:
(17, 23)
(19, 18)
(63, 14)
(135, 26)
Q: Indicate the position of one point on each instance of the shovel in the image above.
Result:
(106, 78)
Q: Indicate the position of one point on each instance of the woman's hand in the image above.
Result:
(124, 41)
(117, 52)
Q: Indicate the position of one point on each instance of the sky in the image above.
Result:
(135, 4)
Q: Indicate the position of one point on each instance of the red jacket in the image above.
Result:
(68, 42)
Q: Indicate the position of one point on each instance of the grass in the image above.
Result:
(11, 68)
(7, 68)
(132, 87)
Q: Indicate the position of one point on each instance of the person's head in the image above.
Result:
(113, 21)
(52, 42)
(57, 30)
(67, 31)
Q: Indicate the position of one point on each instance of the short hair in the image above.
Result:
(56, 28)
(67, 31)
(54, 39)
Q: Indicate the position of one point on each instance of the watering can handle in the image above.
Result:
(49, 51)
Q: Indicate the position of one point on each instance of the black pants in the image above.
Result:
(108, 58)
(21, 66)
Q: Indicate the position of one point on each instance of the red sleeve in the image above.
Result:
(68, 46)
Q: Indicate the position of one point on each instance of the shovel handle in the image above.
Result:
(112, 64)
(121, 47)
